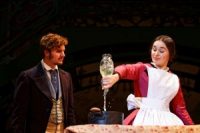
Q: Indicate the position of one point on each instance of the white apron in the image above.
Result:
(154, 109)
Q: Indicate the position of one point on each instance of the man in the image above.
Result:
(39, 106)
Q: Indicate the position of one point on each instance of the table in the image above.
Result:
(116, 128)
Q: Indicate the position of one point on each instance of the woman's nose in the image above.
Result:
(156, 52)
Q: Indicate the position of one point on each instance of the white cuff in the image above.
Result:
(133, 102)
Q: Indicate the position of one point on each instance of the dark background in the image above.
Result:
(124, 28)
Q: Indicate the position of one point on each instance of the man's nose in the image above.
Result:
(63, 54)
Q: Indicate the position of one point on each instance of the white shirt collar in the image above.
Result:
(47, 67)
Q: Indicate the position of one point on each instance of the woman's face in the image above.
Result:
(160, 54)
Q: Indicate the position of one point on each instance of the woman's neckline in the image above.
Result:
(154, 65)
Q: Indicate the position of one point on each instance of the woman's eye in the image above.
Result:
(162, 51)
(154, 49)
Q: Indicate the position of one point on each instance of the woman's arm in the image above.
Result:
(179, 108)
(124, 71)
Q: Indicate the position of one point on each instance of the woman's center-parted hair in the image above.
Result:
(170, 44)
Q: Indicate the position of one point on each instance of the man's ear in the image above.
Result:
(46, 53)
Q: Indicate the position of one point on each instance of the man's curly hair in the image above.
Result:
(52, 40)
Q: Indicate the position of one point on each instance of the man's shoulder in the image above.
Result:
(32, 70)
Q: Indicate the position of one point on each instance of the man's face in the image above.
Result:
(55, 56)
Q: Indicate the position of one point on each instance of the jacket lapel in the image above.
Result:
(64, 84)
(65, 91)
(41, 81)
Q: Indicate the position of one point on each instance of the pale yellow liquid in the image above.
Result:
(105, 72)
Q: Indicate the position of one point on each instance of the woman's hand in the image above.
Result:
(108, 81)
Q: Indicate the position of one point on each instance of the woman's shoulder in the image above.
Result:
(142, 64)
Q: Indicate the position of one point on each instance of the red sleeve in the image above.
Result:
(179, 108)
(130, 118)
(129, 71)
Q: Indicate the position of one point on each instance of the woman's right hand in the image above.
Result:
(108, 81)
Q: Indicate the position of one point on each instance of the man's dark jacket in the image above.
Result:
(33, 101)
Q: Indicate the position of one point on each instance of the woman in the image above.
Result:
(157, 91)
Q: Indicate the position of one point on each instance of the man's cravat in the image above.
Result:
(54, 81)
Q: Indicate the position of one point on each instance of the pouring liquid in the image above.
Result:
(105, 72)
